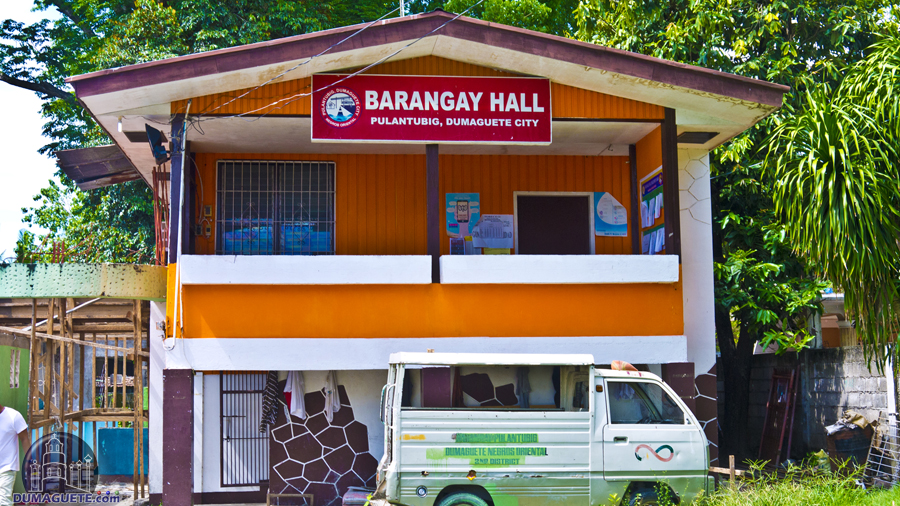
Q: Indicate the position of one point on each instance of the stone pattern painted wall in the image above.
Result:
(707, 412)
(314, 457)
(480, 387)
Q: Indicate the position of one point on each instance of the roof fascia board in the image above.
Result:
(589, 78)
(725, 110)
(163, 94)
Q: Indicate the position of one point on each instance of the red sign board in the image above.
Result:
(419, 109)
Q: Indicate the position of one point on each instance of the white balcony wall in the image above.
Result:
(558, 269)
(305, 270)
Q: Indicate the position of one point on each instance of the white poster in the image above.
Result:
(610, 217)
(494, 231)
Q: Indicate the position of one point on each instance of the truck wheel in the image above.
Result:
(643, 498)
(462, 499)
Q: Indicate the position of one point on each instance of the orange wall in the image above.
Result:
(649, 153)
(435, 310)
(380, 199)
(496, 177)
(292, 96)
(649, 158)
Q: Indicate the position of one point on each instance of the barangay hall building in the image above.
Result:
(423, 183)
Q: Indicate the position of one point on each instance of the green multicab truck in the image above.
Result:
(516, 429)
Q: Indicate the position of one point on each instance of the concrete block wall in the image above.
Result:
(831, 381)
(840, 380)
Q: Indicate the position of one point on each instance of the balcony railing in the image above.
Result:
(416, 269)
(558, 269)
(305, 270)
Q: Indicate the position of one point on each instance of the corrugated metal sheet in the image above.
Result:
(380, 199)
(291, 98)
(97, 167)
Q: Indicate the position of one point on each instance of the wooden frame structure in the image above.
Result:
(68, 339)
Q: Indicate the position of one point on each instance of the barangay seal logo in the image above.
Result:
(340, 107)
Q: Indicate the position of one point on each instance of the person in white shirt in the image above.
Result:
(13, 430)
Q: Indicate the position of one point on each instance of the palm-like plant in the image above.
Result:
(836, 174)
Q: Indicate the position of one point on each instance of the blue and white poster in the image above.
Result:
(463, 212)
(610, 217)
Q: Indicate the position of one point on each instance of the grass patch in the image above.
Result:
(803, 486)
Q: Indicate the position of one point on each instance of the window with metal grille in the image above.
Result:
(244, 450)
(275, 208)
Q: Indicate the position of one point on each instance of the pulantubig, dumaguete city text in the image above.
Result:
(449, 101)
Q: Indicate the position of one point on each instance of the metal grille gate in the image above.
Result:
(244, 450)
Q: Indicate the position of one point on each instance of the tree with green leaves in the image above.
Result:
(836, 173)
(764, 291)
(549, 16)
(115, 224)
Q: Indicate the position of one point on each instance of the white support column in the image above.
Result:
(698, 285)
(697, 258)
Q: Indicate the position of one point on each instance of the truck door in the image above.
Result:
(649, 434)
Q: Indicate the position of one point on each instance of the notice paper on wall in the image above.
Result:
(494, 231)
(651, 198)
(610, 217)
(653, 241)
(463, 212)
(457, 246)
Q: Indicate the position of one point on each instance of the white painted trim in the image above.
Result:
(317, 354)
(305, 270)
(511, 359)
(590, 195)
(558, 269)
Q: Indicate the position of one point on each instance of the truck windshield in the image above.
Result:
(636, 402)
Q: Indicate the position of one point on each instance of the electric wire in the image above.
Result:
(298, 96)
(178, 320)
(295, 67)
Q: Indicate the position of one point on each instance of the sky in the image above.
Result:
(23, 171)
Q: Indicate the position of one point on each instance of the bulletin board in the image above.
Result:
(653, 227)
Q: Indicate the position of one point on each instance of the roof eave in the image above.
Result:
(412, 27)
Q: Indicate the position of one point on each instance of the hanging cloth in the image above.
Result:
(523, 387)
(294, 386)
(270, 401)
(332, 399)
